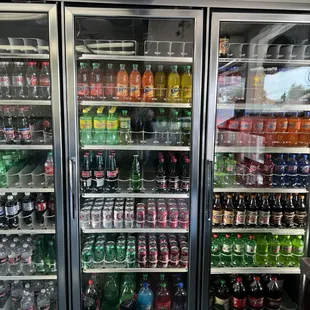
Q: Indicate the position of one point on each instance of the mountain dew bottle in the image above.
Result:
(274, 251)
(86, 127)
(297, 250)
(238, 252)
(285, 258)
(262, 251)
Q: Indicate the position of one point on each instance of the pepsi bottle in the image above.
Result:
(303, 171)
(291, 171)
(279, 172)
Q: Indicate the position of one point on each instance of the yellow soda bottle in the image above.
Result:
(187, 85)
(160, 84)
(173, 95)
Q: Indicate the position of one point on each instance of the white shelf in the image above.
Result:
(255, 270)
(274, 231)
(36, 230)
(261, 149)
(134, 147)
(264, 108)
(24, 56)
(25, 102)
(27, 278)
(133, 195)
(27, 190)
(258, 190)
(136, 104)
(266, 61)
(140, 270)
(136, 58)
(26, 147)
(135, 230)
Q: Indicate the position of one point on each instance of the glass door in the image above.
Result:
(32, 259)
(133, 107)
(259, 93)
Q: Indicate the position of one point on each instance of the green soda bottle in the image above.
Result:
(38, 258)
(112, 127)
(230, 169)
(238, 252)
(274, 251)
(136, 181)
(86, 127)
(186, 124)
(219, 171)
(285, 258)
(250, 251)
(127, 291)
(226, 252)
(297, 250)
(3, 176)
(100, 127)
(125, 128)
(111, 292)
(215, 251)
(262, 251)
(50, 259)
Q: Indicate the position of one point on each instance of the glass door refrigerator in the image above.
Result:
(258, 153)
(133, 102)
(32, 256)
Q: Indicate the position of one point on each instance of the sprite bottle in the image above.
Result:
(285, 258)
(38, 258)
(262, 251)
(215, 251)
(250, 251)
(297, 250)
(136, 181)
(86, 127)
(274, 251)
(127, 291)
(100, 127)
(226, 252)
(219, 176)
(50, 259)
(111, 292)
(238, 251)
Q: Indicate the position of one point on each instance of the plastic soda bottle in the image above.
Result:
(112, 127)
(304, 133)
(291, 171)
(239, 295)
(293, 128)
(221, 300)
(238, 251)
(186, 124)
(175, 128)
(230, 169)
(279, 169)
(173, 85)
(245, 129)
(148, 84)
(303, 170)
(109, 83)
(136, 181)
(217, 212)
(298, 247)
(160, 84)
(163, 298)
(100, 127)
(270, 129)
(274, 251)
(3, 175)
(262, 251)
(96, 82)
(282, 125)
(45, 81)
(228, 218)
(285, 258)
(179, 299)
(145, 297)
(250, 251)
(38, 258)
(16, 294)
(127, 291)
(187, 85)
(122, 84)
(83, 81)
(125, 128)
(215, 251)
(226, 251)
(86, 128)
(26, 302)
(135, 84)
(219, 174)
(273, 295)
(300, 218)
(111, 292)
(50, 258)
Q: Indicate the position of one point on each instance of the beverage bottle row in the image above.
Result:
(255, 129)
(259, 211)
(277, 170)
(19, 80)
(25, 256)
(151, 251)
(256, 250)
(25, 295)
(127, 292)
(30, 210)
(246, 293)
(120, 213)
(109, 126)
(172, 173)
(99, 84)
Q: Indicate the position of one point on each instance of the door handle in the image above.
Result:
(72, 205)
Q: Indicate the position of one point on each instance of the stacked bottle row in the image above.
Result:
(27, 295)
(26, 256)
(97, 84)
(252, 129)
(256, 250)
(113, 127)
(134, 213)
(172, 173)
(275, 170)
(130, 291)
(280, 210)
(21, 80)
(141, 251)
(240, 292)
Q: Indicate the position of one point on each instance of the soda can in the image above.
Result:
(99, 254)
(119, 203)
(182, 200)
(130, 199)
(110, 254)
(140, 205)
(182, 205)
(131, 257)
(161, 205)
(151, 201)
(173, 217)
(140, 217)
(131, 244)
(120, 252)
(107, 214)
(172, 237)
(129, 217)
(174, 256)
(118, 217)
(87, 257)
(162, 238)
(141, 245)
(172, 200)
(184, 218)
(162, 217)
(161, 200)
(85, 217)
(152, 236)
(182, 238)
(142, 237)
(184, 257)
(110, 199)
(151, 205)
(173, 243)
(121, 238)
(101, 238)
(152, 244)
(120, 199)
(172, 205)
(164, 244)
(163, 257)
(142, 258)
(183, 244)
(151, 217)
(131, 238)
(95, 217)
(153, 258)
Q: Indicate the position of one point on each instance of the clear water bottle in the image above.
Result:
(26, 302)
(29, 289)
(43, 301)
(29, 240)
(52, 291)
(49, 170)
(14, 260)
(4, 260)
(16, 294)
(37, 286)
(26, 260)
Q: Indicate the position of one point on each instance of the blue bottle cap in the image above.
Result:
(181, 285)
(146, 285)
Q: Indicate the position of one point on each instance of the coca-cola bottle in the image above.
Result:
(28, 208)
(273, 295)
(112, 174)
(276, 212)
(239, 295)
(23, 128)
(45, 81)
(40, 208)
(5, 81)
(86, 175)
(18, 81)
(160, 177)
(51, 208)
(99, 174)
(256, 295)
(32, 80)
(11, 213)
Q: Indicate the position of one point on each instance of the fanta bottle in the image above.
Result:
(270, 125)
(257, 129)
(304, 133)
(160, 84)
(245, 129)
(122, 84)
(148, 84)
(293, 128)
(281, 129)
(174, 82)
(187, 85)
(135, 84)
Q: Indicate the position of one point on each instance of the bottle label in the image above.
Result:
(161, 183)
(187, 92)
(251, 217)
(274, 250)
(298, 250)
(109, 89)
(239, 248)
(148, 91)
(86, 124)
(86, 183)
(112, 124)
(49, 169)
(179, 306)
(28, 206)
(96, 89)
(185, 184)
(304, 169)
(272, 303)
(288, 217)
(134, 91)
(86, 174)
(222, 302)
(276, 218)
(14, 260)
(233, 124)
(3, 260)
(99, 174)
(45, 81)
(9, 134)
(4, 81)
(245, 125)
(40, 206)
(226, 248)
(173, 183)
(240, 218)
(18, 80)
(32, 80)
(24, 133)
(124, 123)
(100, 124)
(228, 217)
(258, 126)
(26, 259)
(251, 249)
(271, 125)
(112, 174)
(286, 250)
(174, 91)
(217, 216)
(300, 217)
(279, 169)
(291, 169)
(121, 90)
(82, 89)
(264, 217)
(163, 305)
(224, 45)
(255, 303)
(238, 303)
(39, 266)
(11, 210)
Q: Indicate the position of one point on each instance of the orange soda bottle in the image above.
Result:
(122, 84)
(293, 128)
(148, 84)
(135, 84)
(281, 129)
(304, 133)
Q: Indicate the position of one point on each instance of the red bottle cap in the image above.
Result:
(239, 236)
(239, 279)
(227, 235)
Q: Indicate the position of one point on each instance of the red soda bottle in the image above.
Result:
(82, 80)
(256, 295)
(267, 170)
(239, 295)
(245, 129)
(96, 82)
(110, 83)
(257, 129)
(32, 80)
(163, 298)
